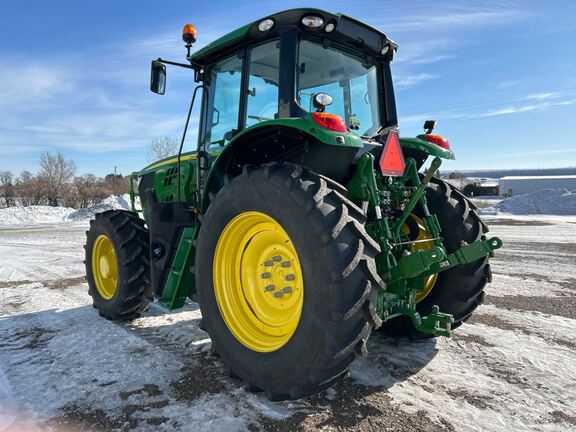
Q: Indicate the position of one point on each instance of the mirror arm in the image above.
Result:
(198, 69)
(190, 66)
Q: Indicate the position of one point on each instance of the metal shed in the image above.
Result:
(519, 185)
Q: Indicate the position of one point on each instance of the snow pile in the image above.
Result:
(549, 201)
(121, 202)
(33, 215)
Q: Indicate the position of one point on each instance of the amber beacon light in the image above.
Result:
(189, 34)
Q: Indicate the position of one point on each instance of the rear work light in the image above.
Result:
(392, 162)
(329, 121)
(439, 140)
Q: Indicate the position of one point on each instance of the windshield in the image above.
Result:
(352, 84)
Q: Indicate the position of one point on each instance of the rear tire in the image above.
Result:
(459, 290)
(125, 233)
(340, 282)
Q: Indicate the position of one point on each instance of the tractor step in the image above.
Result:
(180, 279)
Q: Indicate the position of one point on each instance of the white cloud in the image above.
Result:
(438, 20)
(523, 108)
(406, 81)
(543, 96)
(469, 115)
(25, 86)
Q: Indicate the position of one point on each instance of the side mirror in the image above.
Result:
(158, 77)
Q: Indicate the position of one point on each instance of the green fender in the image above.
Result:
(424, 146)
(306, 125)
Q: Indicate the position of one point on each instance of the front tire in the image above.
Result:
(117, 265)
(337, 276)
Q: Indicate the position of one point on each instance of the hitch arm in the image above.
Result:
(466, 255)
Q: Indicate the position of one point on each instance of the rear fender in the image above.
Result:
(420, 150)
(299, 140)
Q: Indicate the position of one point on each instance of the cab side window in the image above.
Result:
(262, 91)
(222, 121)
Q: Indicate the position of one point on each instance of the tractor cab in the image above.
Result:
(315, 76)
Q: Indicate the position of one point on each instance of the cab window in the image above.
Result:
(222, 119)
(262, 103)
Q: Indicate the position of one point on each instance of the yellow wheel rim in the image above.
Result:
(429, 281)
(258, 281)
(105, 267)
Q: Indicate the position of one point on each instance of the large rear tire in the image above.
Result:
(300, 219)
(117, 265)
(460, 290)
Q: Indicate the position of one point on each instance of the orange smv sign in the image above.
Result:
(392, 162)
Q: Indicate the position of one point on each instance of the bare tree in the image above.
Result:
(30, 189)
(55, 171)
(7, 188)
(89, 190)
(161, 148)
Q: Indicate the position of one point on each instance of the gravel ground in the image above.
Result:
(511, 367)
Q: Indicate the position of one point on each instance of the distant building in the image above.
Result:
(487, 188)
(520, 185)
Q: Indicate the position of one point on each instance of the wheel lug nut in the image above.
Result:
(276, 258)
(278, 294)
(285, 264)
(266, 275)
(289, 277)
(269, 288)
(268, 263)
(287, 290)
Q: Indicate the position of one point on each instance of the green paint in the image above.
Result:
(308, 125)
(418, 193)
(466, 255)
(181, 279)
(427, 147)
(402, 270)
(220, 43)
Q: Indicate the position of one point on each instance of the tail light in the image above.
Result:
(329, 121)
(392, 160)
(439, 140)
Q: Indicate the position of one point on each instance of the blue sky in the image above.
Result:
(498, 76)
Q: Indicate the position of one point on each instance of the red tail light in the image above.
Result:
(331, 122)
(439, 140)
(392, 160)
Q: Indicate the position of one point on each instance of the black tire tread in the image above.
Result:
(353, 315)
(131, 240)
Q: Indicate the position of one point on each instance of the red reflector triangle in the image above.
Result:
(392, 161)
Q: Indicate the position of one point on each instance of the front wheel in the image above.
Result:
(286, 280)
(117, 265)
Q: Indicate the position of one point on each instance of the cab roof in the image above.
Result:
(347, 30)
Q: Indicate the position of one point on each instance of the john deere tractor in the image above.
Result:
(302, 221)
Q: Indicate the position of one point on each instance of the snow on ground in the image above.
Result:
(548, 202)
(121, 202)
(512, 367)
(33, 215)
(486, 201)
(48, 214)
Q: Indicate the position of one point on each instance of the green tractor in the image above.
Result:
(303, 221)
